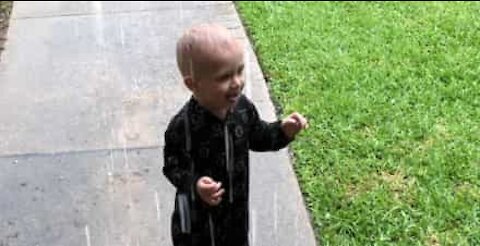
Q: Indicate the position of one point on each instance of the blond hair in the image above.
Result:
(200, 40)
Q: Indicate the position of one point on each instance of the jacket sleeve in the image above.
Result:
(177, 164)
(265, 136)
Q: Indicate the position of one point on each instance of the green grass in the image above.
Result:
(5, 10)
(392, 92)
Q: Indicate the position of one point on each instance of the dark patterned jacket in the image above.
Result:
(197, 144)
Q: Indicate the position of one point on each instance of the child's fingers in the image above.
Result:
(204, 186)
(304, 123)
(299, 119)
(215, 202)
(218, 194)
(290, 120)
(213, 187)
(206, 180)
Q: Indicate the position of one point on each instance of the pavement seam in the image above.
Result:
(86, 151)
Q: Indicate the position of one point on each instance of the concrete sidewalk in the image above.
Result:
(86, 91)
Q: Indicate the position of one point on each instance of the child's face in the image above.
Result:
(220, 79)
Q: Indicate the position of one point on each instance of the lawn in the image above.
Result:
(392, 92)
(5, 9)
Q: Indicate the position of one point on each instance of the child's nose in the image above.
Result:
(236, 81)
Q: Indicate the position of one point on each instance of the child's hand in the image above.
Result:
(293, 124)
(209, 191)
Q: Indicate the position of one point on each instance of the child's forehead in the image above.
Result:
(214, 41)
(214, 49)
(219, 61)
(217, 49)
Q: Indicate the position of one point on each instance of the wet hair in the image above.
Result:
(200, 40)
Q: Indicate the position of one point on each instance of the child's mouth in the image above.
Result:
(233, 97)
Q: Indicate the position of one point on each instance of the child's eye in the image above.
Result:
(223, 77)
(240, 69)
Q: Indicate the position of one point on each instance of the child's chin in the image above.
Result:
(232, 103)
(229, 105)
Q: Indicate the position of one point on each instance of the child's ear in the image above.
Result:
(188, 80)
